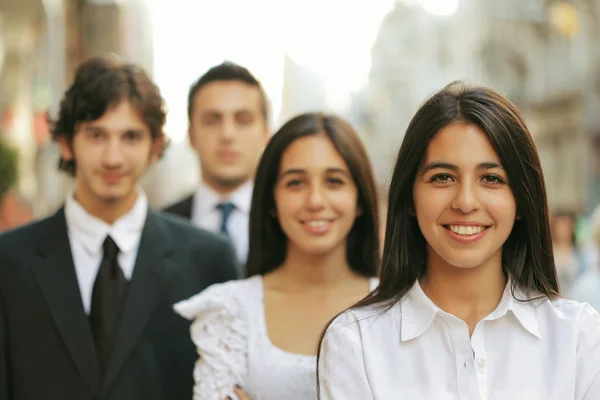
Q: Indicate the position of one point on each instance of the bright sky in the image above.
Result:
(332, 38)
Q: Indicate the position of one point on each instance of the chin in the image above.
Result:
(466, 262)
(113, 196)
(315, 249)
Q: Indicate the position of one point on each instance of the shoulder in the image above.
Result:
(569, 311)
(361, 322)
(219, 316)
(221, 299)
(180, 207)
(188, 234)
(16, 239)
(579, 319)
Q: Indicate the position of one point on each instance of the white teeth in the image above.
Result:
(317, 223)
(466, 230)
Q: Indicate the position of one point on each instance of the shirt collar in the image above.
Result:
(91, 231)
(207, 199)
(418, 311)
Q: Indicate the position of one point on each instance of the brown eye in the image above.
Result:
(293, 183)
(492, 179)
(335, 181)
(441, 178)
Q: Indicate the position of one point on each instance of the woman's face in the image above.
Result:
(463, 201)
(315, 196)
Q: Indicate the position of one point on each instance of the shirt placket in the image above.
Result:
(463, 349)
(480, 359)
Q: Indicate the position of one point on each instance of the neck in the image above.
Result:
(107, 211)
(467, 293)
(309, 271)
(223, 188)
(563, 246)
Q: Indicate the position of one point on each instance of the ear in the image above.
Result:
(66, 151)
(157, 148)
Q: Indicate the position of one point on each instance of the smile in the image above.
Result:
(466, 230)
(317, 226)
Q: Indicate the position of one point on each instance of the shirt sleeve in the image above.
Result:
(220, 333)
(342, 371)
(588, 356)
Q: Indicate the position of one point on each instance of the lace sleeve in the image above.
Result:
(219, 331)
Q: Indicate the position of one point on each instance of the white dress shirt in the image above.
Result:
(86, 237)
(205, 214)
(416, 351)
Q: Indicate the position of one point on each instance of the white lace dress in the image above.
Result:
(230, 333)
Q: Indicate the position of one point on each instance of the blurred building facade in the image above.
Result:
(541, 54)
(43, 41)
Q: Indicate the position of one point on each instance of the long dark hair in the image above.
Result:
(527, 253)
(268, 243)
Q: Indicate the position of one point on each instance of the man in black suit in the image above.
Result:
(86, 295)
(228, 129)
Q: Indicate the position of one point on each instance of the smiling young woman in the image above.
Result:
(314, 251)
(468, 305)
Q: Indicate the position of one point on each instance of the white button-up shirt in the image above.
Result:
(205, 214)
(522, 351)
(86, 237)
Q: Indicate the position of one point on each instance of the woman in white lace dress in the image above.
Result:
(314, 251)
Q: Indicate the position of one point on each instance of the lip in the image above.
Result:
(465, 239)
(228, 156)
(466, 223)
(318, 230)
(112, 178)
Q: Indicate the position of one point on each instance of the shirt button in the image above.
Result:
(481, 363)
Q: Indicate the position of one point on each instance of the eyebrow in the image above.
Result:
(95, 129)
(452, 167)
(215, 111)
(303, 171)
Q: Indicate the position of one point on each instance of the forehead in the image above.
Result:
(122, 116)
(461, 143)
(312, 153)
(226, 96)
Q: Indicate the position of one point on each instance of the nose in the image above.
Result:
(316, 197)
(228, 129)
(113, 153)
(466, 198)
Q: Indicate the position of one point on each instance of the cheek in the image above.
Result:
(344, 201)
(204, 142)
(140, 156)
(287, 205)
(430, 206)
(502, 207)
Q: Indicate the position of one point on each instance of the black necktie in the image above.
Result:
(226, 210)
(107, 297)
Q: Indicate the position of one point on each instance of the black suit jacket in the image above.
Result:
(46, 345)
(182, 208)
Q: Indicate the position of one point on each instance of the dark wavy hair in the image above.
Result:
(268, 243)
(101, 83)
(527, 253)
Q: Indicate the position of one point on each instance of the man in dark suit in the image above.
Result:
(86, 295)
(228, 129)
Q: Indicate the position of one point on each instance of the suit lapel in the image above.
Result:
(56, 277)
(143, 295)
(186, 208)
